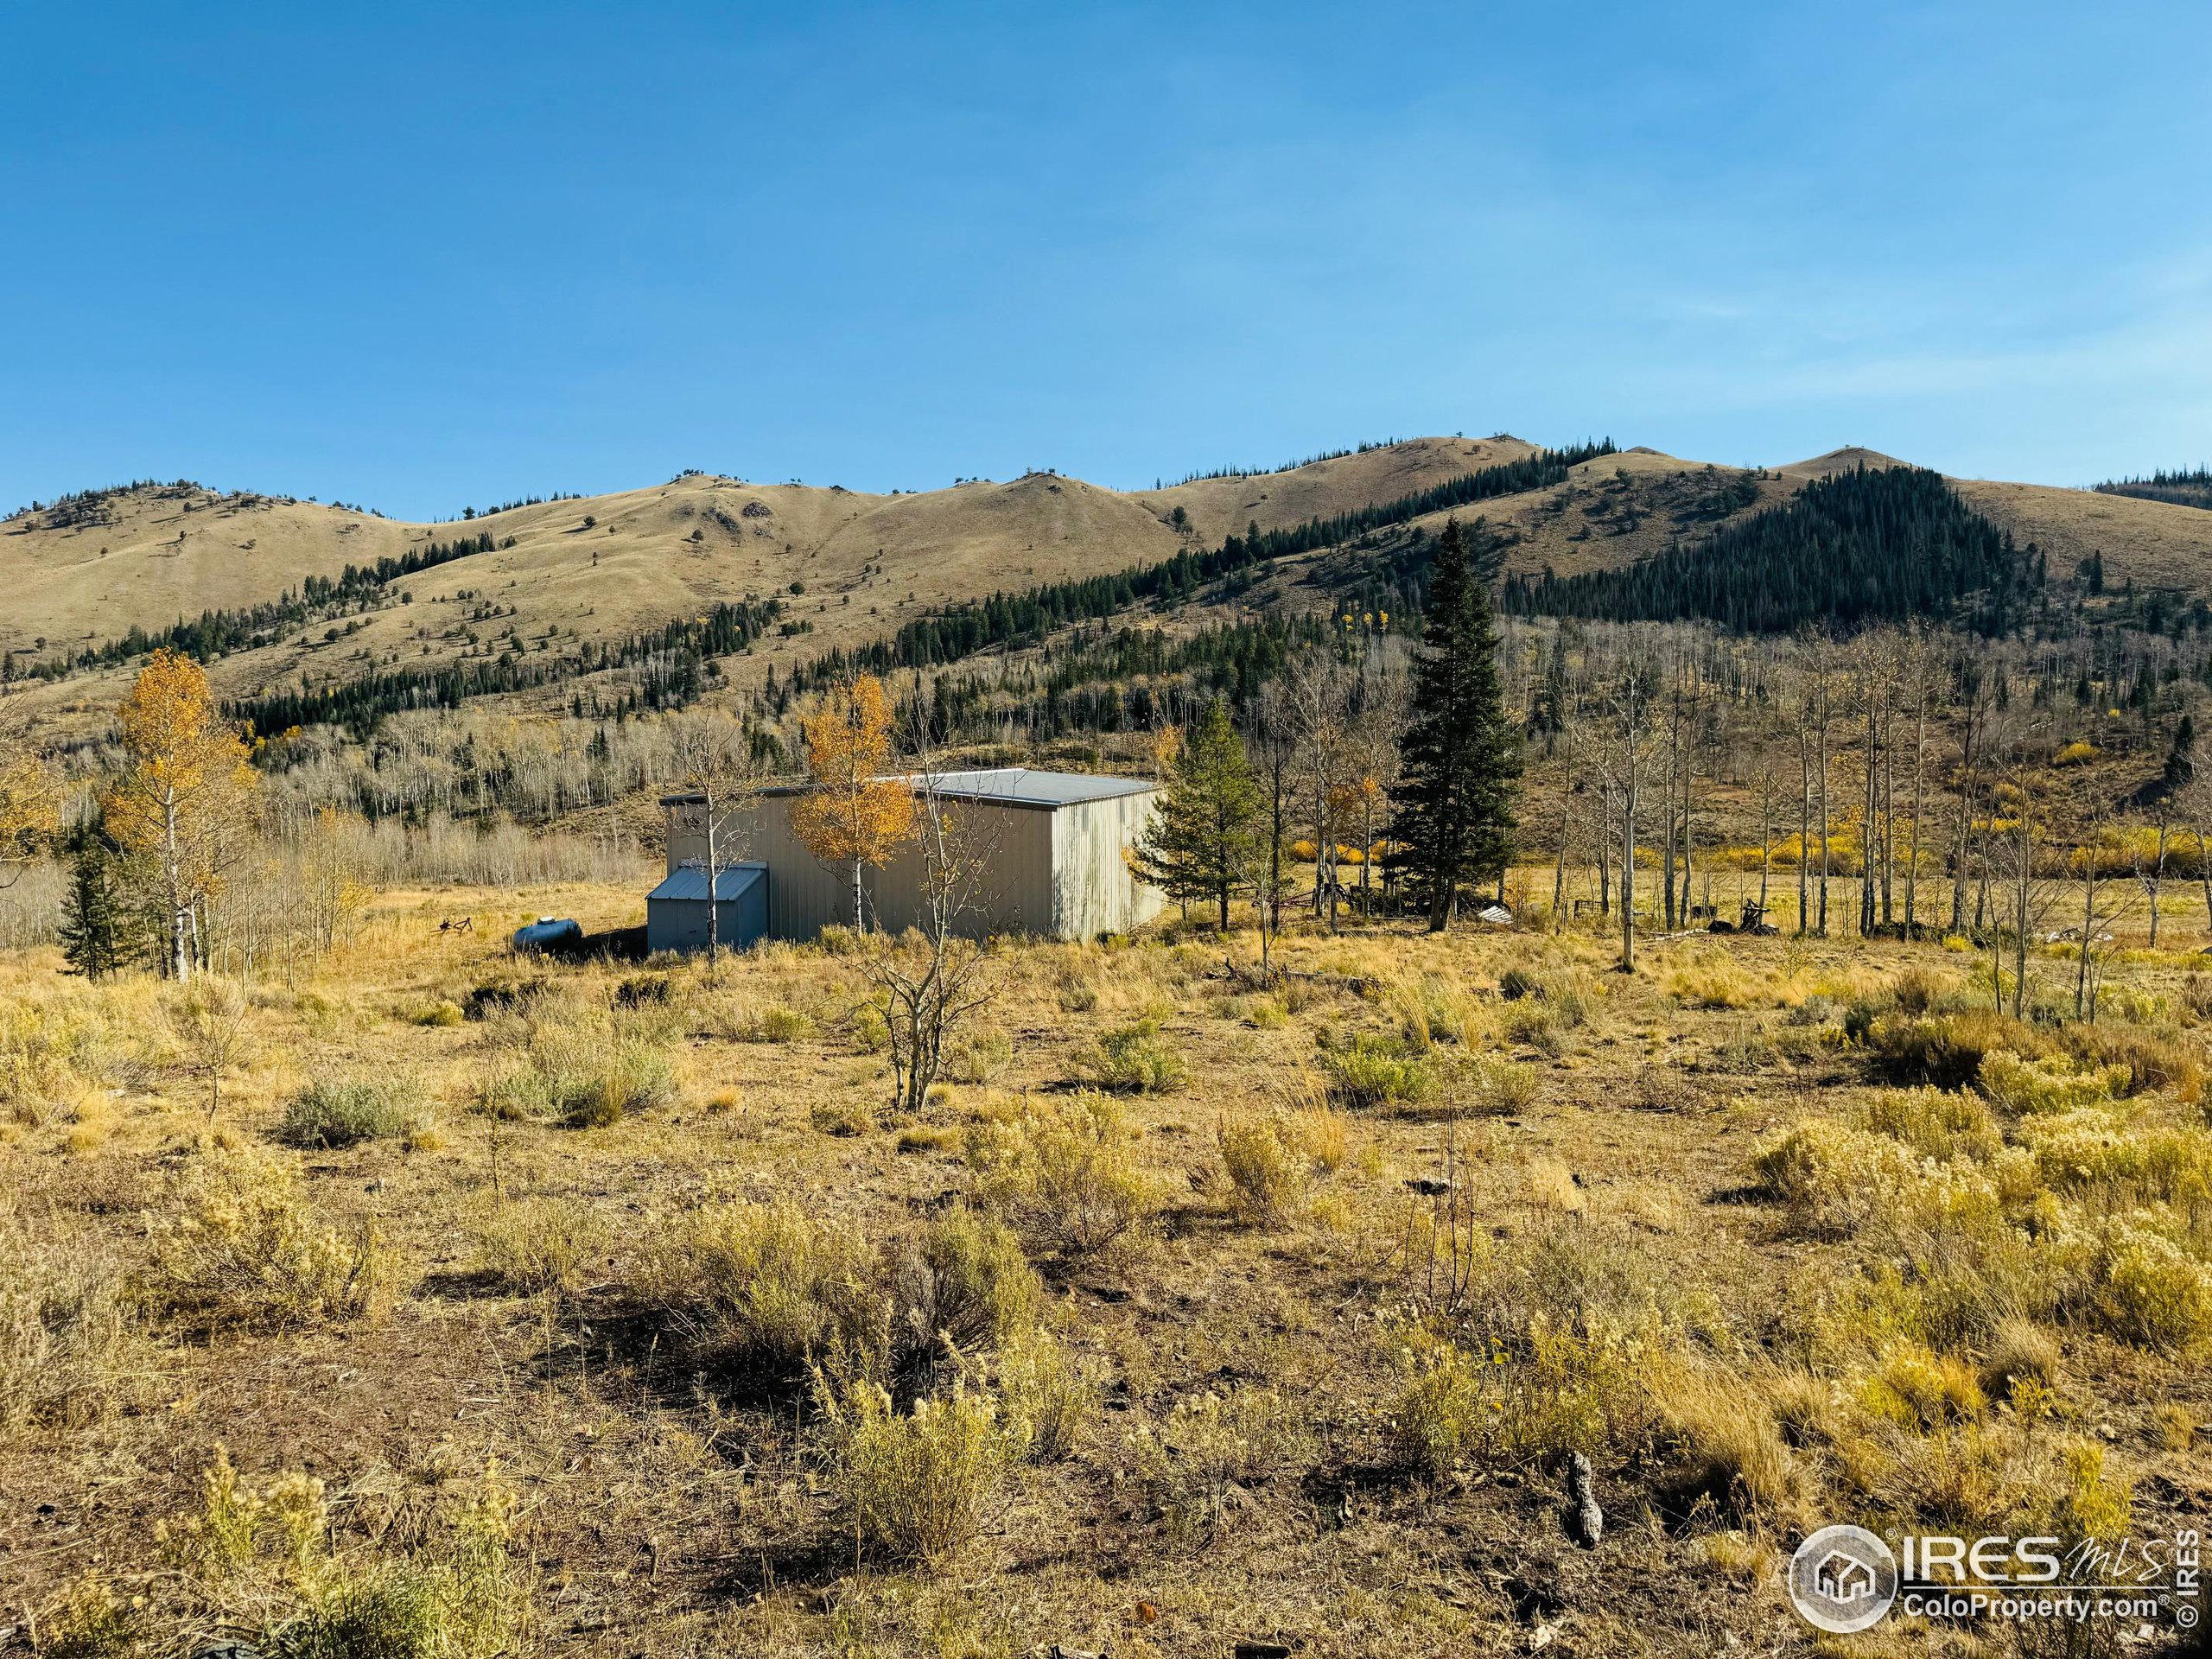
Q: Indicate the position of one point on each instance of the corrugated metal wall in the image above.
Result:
(1059, 873)
(1095, 892)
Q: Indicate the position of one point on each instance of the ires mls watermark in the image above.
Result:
(1846, 1579)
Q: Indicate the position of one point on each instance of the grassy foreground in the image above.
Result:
(464, 1306)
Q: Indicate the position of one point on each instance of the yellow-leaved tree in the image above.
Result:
(183, 798)
(27, 804)
(851, 814)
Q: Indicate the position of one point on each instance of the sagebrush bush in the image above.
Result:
(1369, 1071)
(760, 1291)
(2051, 1084)
(1270, 1162)
(919, 1486)
(1936, 1124)
(2147, 1289)
(336, 1112)
(962, 1286)
(1136, 1059)
(976, 1057)
(1064, 1174)
(245, 1248)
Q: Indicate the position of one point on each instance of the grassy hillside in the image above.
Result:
(848, 570)
(601, 568)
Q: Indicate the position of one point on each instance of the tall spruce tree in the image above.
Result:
(1453, 809)
(1207, 839)
(100, 930)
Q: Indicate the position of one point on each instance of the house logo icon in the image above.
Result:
(1842, 1579)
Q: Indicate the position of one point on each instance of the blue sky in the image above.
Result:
(420, 256)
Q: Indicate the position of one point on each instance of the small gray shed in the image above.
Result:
(1057, 842)
(675, 911)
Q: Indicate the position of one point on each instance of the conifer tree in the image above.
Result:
(1209, 833)
(100, 930)
(1452, 817)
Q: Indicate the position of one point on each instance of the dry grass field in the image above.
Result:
(479, 1306)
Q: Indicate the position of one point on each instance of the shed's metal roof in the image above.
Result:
(1031, 787)
(1019, 787)
(690, 882)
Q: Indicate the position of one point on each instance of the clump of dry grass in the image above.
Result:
(1064, 1174)
(271, 1561)
(755, 1289)
(1946, 1051)
(538, 1244)
(57, 1044)
(1208, 1451)
(1048, 1390)
(247, 1249)
(580, 1083)
(1724, 1447)
(762, 1294)
(92, 1621)
(70, 1351)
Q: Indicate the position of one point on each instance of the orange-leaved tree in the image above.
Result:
(851, 814)
(184, 797)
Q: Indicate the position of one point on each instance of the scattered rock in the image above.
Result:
(1541, 1637)
(1585, 1522)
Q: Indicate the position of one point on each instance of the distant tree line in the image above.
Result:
(961, 631)
(216, 633)
(674, 660)
(1856, 548)
(2192, 488)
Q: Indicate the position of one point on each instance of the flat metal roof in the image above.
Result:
(1019, 787)
(690, 882)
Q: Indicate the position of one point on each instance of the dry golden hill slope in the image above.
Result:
(606, 566)
(2158, 544)
(603, 566)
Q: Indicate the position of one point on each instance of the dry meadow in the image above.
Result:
(443, 1302)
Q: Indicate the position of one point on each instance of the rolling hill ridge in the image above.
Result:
(792, 571)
